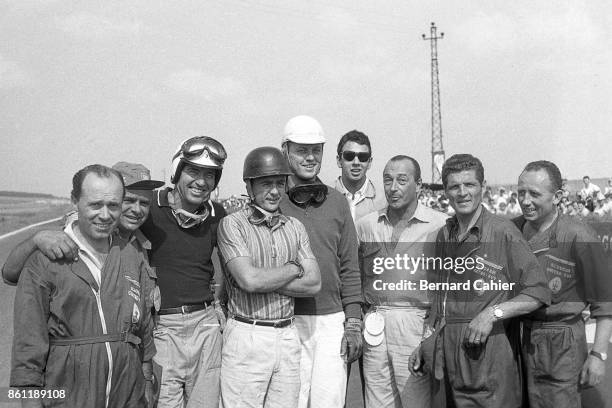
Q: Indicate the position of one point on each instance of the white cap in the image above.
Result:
(304, 130)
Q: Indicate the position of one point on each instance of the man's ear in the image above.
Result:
(339, 161)
(557, 197)
(249, 189)
(419, 186)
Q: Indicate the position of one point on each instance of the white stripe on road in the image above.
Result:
(28, 227)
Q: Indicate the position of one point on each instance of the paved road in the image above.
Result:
(7, 294)
(601, 397)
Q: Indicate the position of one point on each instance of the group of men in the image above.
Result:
(121, 309)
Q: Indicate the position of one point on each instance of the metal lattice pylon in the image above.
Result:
(437, 149)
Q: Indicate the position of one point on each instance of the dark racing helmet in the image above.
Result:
(263, 162)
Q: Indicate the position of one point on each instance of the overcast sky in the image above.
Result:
(99, 82)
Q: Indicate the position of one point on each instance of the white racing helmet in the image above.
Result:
(304, 130)
(200, 151)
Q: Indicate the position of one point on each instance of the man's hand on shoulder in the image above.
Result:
(56, 245)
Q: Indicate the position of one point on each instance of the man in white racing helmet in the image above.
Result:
(329, 324)
(182, 229)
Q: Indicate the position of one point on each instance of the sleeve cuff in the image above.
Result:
(352, 310)
(24, 377)
(538, 293)
(149, 351)
(601, 309)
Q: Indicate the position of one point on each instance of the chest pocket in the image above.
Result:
(369, 253)
(560, 273)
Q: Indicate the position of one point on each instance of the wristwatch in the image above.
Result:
(498, 313)
(301, 268)
(601, 356)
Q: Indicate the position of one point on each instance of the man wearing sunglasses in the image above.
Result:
(355, 158)
(329, 324)
(267, 261)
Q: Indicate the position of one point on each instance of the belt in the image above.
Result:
(125, 337)
(266, 323)
(184, 309)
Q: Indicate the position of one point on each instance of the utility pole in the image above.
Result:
(437, 149)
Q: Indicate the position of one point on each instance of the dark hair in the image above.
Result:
(415, 164)
(554, 174)
(586, 177)
(354, 136)
(460, 162)
(97, 169)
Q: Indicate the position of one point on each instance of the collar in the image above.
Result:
(550, 233)
(475, 228)
(420, 214)
(141, 239)
(291, 183)
(162, 201)
(366, 191)
(258, 215)
(82, 247)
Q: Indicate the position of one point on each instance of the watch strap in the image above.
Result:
(601, 356)
(301, 268)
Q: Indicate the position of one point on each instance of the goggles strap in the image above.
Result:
(260, 216)
(316, 193)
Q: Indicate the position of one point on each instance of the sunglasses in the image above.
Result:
(195, 147)
(350, 156)
(306, 193)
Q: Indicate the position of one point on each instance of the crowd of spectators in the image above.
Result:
(234, 203)
(590, 201)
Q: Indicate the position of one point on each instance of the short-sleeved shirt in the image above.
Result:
(588, 191)
(268, 247)
(492, 252)
(415, 244)
(576, 268)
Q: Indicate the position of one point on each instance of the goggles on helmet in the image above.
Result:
(197, 146)
(306, 193)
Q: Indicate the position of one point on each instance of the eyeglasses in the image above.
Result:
(350, 156)
(195, 146)
(307, 193)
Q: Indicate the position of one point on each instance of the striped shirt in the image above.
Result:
(268, 247)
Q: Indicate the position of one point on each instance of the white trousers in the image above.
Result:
(322, 368)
